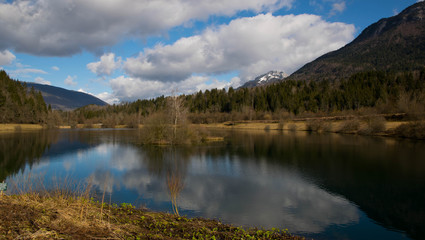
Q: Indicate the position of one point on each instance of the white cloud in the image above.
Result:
(24, 71)
(105, 96)
(29, 70)
(338, 7)
(130, 89)
(108, 97)
(106, 65)
(60, 28)
(70, 81)
(251, 46)
(55, 68)
(6, 57)
(42, 81)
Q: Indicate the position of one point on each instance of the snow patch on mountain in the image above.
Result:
(270, 77)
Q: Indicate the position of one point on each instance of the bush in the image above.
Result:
(280, 125)
(350, 126)
(292, 127)
(317, 125)
(157, 130)
(374, 125)
(414, 130)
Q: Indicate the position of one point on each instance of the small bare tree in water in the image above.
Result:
(170, 127)
(177, 112)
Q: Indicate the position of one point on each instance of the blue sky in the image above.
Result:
(123, 50)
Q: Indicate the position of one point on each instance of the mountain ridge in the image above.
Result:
(391, 44)
(64, 99)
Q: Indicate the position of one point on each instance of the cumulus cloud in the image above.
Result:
(55, 68)
(105, 96)
(70, 81)
(108, 97)
(130, 89)
(42, 81)
(106, 66)
(6, 57)
(60, 28)
(251, 46)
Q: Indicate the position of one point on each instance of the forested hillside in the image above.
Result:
(17, 104)
(392, 44)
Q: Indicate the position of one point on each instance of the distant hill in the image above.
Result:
(63, 99)
(268, 78)
(392, 44)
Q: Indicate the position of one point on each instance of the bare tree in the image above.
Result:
(177, 112)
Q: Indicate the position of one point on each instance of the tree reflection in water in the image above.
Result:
(169, 163)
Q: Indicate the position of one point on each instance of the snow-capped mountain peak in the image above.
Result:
(270, 77)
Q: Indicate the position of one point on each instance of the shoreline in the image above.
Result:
(59, 216)
(16, 127)
(325, 124)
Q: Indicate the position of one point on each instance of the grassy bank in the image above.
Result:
(363, 126)
(19, 127)
(368, 126)
(57, 216)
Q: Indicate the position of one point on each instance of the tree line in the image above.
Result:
(386, 92)
(18, 104)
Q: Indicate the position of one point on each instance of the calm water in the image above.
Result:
(322, 186)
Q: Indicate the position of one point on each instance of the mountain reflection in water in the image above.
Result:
(323, 186)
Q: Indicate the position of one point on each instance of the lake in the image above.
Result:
(325, 186)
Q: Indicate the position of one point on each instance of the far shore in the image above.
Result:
(14, 127)
(388, 128)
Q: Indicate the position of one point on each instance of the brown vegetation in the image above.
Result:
(318, 125)
(350, 126)
(414, 130)
(33, 212)
(31, 216)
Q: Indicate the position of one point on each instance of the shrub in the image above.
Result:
(157, 129)
(292, 127)
(374, 125)
(280, 125)
(318, 125)
(414, 130)
(350, 126)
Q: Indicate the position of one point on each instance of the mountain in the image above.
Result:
(63, 99)
(392, 44)
(270, 77)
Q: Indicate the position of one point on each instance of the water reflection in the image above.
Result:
(330, 186)
(20, 149)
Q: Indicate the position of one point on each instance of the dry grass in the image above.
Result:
(374, 125)
(318, 125)
(19, 127)
(35, 213)
(414, 130)
(34, 217)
